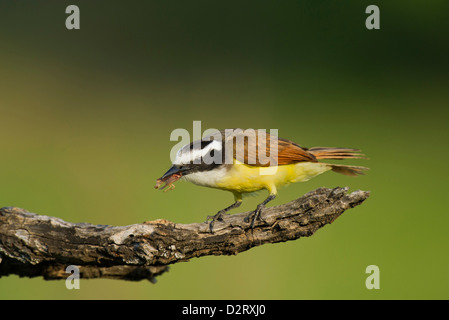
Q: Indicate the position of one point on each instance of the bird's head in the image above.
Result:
(198, 156)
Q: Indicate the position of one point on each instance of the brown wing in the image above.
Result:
(290, 152)
(258, 148)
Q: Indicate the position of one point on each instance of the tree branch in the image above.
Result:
(36, 245)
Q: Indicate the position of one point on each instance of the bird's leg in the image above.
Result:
(219, 215)
(256, 213)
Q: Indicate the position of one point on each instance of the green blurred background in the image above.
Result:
(86, 117)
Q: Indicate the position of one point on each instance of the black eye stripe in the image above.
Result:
(204, 144)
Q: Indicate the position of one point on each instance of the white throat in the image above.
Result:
(208, 178)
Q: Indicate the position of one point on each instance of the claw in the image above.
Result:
(216, 217)
(256, 214)
(219, 215)
(258, 211)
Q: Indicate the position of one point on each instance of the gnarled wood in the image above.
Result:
(38, 245)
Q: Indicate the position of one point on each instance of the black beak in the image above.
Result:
(174, 169)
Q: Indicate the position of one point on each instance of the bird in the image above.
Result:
(247, 161)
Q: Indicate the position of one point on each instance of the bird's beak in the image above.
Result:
(174, 169)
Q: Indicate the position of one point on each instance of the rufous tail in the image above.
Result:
(340, 154)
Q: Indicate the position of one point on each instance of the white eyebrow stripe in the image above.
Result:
(185, 155)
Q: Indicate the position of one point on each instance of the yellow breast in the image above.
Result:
(244, 178)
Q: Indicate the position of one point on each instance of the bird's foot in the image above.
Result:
(256, 214)
(216, 217)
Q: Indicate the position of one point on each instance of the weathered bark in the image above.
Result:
(37, 245)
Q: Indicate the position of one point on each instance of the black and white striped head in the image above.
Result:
(200, 155)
